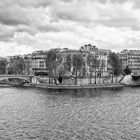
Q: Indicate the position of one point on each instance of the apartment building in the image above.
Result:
(35, 62)
(132, 59)
(38, 62)
(100, 54)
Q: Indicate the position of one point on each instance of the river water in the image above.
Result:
(27, 113)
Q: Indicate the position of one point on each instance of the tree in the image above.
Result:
(61, 69)
(19, 66)
(3, 64)
(127, 70)
(115, 64)
(9, 68)
(68, 63)
(27, 62)
(101, 68)
(53, 60)
(16, 66)
(93, 63)
(77, 62)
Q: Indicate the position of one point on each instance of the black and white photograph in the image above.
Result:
(69, 69)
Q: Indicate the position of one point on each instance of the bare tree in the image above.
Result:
(115, 64)
(68, 63)
(53, 60)
(77, 62)
(93, 63)
(3, 63)
(16, 66)
(101, 69)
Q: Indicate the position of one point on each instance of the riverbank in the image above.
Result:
(69, 84)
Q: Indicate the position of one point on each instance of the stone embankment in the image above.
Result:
(80, 87)
(84, 83)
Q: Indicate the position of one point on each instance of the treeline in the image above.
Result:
(16, 65)
(77, 65)
(72, 64)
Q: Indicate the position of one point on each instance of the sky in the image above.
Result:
(31, 25)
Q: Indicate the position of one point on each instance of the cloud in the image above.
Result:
(100, 36)
(27, 3)
(11, 48)
(116, 39)
(27, 25)
(13, 15)
(109, 14)
(49, 27)
(6, 32)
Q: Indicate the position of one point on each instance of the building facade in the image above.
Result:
(132, 59)
(37, 62)
(100, 54)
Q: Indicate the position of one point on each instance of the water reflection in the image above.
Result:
(89, 93)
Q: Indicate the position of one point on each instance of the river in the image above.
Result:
(29, 113)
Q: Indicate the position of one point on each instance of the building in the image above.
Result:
(100, 54)
(65, 52)
(132, 59)
(27, 62)
(103, 59)
(89, 48)
(37, 62)
(34, 63)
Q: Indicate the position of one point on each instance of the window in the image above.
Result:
(41, 64)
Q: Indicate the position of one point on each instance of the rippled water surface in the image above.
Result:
(38, 114)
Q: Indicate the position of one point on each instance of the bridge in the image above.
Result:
(28, 78)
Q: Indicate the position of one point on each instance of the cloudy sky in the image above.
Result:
(29, 25)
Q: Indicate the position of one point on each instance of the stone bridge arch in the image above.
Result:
(23, 77)
(8, 78)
